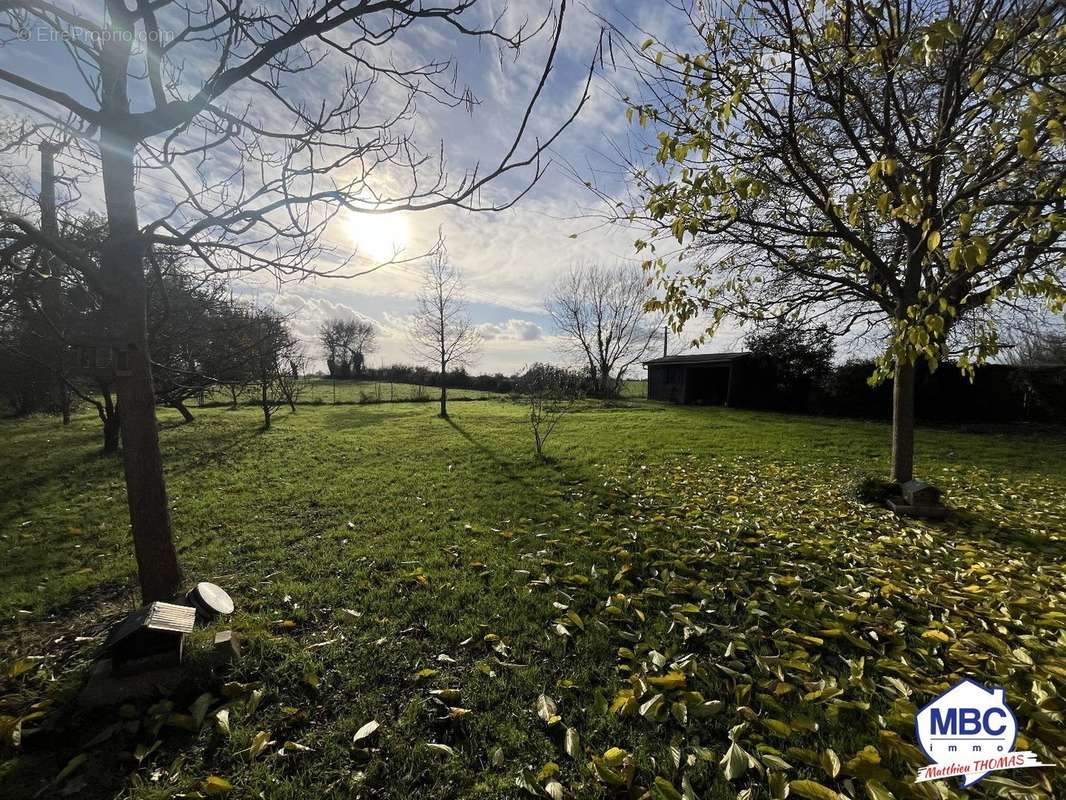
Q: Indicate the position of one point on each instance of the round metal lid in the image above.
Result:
(214, 598)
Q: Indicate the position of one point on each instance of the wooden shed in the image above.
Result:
(703, 379)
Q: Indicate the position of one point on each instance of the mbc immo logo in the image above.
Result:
(968, 732)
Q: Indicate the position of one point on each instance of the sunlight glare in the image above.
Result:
(378, 237)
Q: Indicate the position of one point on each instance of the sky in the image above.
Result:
(509, 259)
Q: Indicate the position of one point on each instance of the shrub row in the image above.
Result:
(998, 393)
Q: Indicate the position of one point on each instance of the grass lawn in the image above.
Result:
(685, 601)
(635, 389)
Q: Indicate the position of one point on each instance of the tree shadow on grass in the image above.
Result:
(88, 614)
(354, 416)
(172, 424)
(977, 527)
(180, 454)
(69, 468)
(508, 468)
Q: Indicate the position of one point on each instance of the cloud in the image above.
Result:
(521, 330)
(509, 259)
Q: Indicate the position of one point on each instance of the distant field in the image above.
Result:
(323, 391)
(696, 592)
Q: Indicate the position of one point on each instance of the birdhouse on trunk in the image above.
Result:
(102, 357)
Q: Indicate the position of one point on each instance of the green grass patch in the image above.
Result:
(635, 389)
(675, 581)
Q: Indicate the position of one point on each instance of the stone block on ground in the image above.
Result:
(904, 509)
(104, 688)
(227, 645)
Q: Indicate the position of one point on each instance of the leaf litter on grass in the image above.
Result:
(759, 611)
(711, 629)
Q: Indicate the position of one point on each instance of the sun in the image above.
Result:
(378, 237)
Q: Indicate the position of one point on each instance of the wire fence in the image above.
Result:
(325, 391)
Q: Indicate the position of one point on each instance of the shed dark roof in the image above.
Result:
(697, 359)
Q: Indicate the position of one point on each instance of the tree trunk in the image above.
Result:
(111, 433)
(266, 406)
(111, 421)
(903, 422)
(122, 261)
(52, 295)
(183, 410)
(443, 382)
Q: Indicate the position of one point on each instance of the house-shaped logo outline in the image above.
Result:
(997, 693)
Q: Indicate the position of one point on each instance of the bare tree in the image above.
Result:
(1040, 345)
(255, 125)
(335, 335)
(441, 332)
(1036, 348)
(346, 343)
(364, 342)
(189, 332)
(229, 359)
(550, 393)
(292, 374)
(184, 311)
(600, 311)
(274, 368)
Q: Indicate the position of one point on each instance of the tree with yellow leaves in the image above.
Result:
(888, 167)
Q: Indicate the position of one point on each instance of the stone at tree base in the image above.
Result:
(904, 509)
(920, 493)
(227, 645)
(105, 689)
(920, 499)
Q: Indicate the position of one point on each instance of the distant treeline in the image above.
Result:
(455, 379)
(998, 393)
